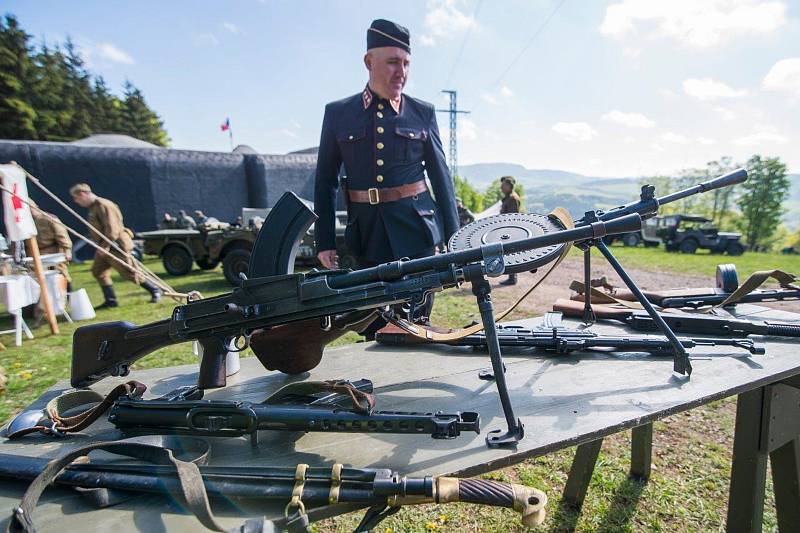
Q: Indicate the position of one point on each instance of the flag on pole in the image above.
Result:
(225, 126)
(17, 213)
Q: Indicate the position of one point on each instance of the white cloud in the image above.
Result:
(784, 76)
(112, 53)
(289, 133)
(92, 52)
(489, 99)
(676, 138)
(705, 140)
(231, 27)
(574, 131)
(294, 123)
(632, 120)
(505, 91)
(694, 23)
(426, 40)
(445, 20)
(629, 140)
(708, 89)
(761, 138)
(467, 130)
(668, 94)
(205, 39)
(726, 114)
(657, 147)
(630, 51)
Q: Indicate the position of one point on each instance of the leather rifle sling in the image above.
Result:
(756, 279)
(431, 334)
(600, 297)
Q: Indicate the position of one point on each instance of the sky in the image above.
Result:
(612, 89)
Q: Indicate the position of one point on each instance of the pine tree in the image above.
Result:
(139, 120)
(50, 97)
(761, 202)
(17, 115)
(106, 109)
(79, 88)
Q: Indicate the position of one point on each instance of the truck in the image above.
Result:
(213, 242)
(688, 233)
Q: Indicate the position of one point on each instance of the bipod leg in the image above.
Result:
(588, 312)
(496, 438)
(681, 364)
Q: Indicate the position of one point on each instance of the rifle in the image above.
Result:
(683, 322)
(702, 296)
(380, 489)
(553, 337)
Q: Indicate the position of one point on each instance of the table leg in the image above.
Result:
(786, 481)
(749, 469)
(18, 327)
(641, 451)
(581, 474)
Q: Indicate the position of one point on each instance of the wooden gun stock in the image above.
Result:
(574, 309)
(109, 349)
(654, 297)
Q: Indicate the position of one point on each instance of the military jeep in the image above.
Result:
(218, 242)
(687, 233)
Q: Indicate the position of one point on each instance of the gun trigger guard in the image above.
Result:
(243, 347)
(493, 262)
(325, 323)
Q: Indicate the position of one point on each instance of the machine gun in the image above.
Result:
(274, 301)
(682, 322)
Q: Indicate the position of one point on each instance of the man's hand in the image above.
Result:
(328, 259)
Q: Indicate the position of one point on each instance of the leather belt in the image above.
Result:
(375, 196)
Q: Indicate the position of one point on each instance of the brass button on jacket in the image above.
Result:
(380, 162)
(380, 129)
(380, 115)
(380, 146)
(380, 106)
(379, 178)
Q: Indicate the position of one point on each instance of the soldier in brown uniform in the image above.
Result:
(511, 204)
(105, 216)
(52, 238)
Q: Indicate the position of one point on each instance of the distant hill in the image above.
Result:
(547, 188)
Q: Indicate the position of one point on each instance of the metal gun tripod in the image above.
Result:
(681, 363)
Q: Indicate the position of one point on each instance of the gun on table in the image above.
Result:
(702, 296)
(683, 322)
(380, 489)
(553, 337)
(277, 301)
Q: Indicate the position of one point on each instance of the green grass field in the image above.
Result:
(688, 490)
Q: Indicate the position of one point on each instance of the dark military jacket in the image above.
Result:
(511, 204)
(383, 148)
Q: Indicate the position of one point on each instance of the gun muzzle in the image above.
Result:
(732, 178)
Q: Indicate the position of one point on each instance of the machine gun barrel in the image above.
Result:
(397, 269)
(648, 204)
(220, 418)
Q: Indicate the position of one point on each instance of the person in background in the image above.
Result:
(168, 222)
(200, 217)
(465, 215)
(185, 221)
(52, 238)
(511, 204)
(238, 223)
(105, 216)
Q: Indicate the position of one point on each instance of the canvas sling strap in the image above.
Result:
(192, 489)
(432, 333)
(54, 422)
(756, 279)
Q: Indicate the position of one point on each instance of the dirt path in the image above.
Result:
(557, 286)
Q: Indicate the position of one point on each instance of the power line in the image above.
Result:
(464, 43)
(525, 48)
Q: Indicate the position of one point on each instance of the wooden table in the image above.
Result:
(562, 401)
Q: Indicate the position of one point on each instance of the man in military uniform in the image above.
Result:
(185, 221)
(388, 142)
(52, 238)
(511, 204)
(106, 217)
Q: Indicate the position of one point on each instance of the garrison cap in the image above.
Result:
(386, 33)
(508, 179)
(79, 188)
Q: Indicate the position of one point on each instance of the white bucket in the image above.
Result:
(80, 307)
(232, 365)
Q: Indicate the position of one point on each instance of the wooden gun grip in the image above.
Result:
(212, 363)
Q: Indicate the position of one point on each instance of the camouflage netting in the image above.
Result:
(146, 182)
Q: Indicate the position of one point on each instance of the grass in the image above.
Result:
(692, 450)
